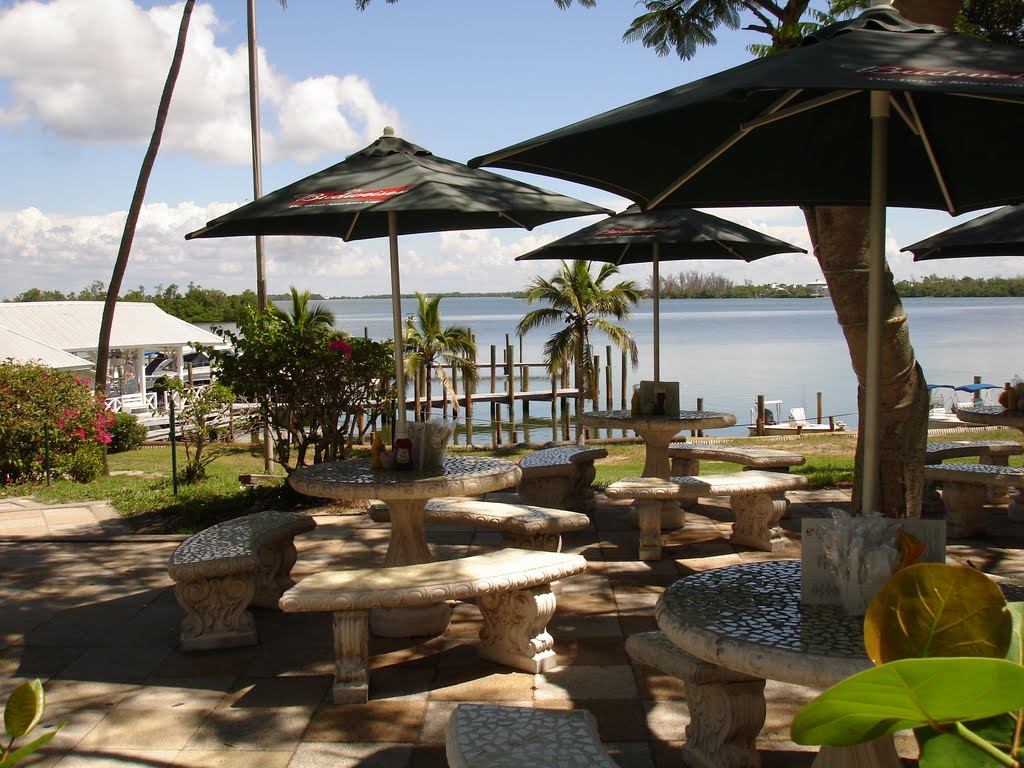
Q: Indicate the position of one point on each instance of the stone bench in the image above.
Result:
(522, 526)
(561, 477)
(757, 499)
(222, 570)
(494, 736)
(511, 588)
(964, 491)
(686, 457)
(727, 708)
(996, 452)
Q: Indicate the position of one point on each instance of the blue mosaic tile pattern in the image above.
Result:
(760, 603)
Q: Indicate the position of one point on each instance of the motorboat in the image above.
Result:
(796, 424)
(943, 409)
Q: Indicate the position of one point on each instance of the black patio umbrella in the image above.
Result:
(390, 188)
(664, 234)
(811, 126)
(1000, 233)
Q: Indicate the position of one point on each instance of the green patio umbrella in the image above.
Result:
(953, 141)
(664, 234)
(391, 188)
(1000, 233)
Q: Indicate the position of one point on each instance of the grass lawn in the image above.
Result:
(140, 488)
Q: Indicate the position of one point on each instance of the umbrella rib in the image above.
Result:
(720, 150)
(931, 153)
(912, 125)
(351, 227)
(803, 106)
(513, 220)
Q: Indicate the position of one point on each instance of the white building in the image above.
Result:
(64, 335)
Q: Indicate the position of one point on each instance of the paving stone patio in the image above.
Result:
(89, 608)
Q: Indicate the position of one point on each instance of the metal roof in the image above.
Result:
(22, 349)
(74, 326)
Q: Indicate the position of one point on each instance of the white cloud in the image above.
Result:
(91, 71)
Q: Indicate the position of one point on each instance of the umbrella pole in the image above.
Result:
(396, 319)
(655, 291)
(876, 269)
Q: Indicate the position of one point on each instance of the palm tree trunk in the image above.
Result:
(581, 390)
(840, 238)
(121, 264)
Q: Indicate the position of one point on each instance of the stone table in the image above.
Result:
(657, 432)
(748, 619)
(406, 494)
(992, 415)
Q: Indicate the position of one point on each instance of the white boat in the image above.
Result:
(942, 413)
(796, 424)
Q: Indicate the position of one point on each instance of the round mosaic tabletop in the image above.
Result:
(685, 420)
(992, 415)
(355, 479)
(748, 618)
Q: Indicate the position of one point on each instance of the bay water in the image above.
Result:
(726, 351)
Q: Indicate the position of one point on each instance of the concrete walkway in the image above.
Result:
(88, 608)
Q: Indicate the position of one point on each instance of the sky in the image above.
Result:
(80, 81)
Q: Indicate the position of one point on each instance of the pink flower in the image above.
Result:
(339, 345)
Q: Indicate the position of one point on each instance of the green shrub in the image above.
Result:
(82, 466)
(46, 411)
(126, 433)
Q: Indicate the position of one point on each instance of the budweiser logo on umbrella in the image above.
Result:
(351, 197)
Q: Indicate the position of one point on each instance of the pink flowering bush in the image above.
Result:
(40, 405)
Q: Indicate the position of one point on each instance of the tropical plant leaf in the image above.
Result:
(947, 750)
(910, 693)
(933, 609)
(24, 708)
(27, 749)
(1016, 649)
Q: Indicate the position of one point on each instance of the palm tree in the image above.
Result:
(135, 209)
(430, 345)
(302, 315)
(580, 303)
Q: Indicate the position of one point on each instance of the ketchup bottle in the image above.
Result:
(403, 449)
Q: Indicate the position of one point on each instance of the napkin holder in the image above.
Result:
(659, 398)
(429, 442)
(854, 584)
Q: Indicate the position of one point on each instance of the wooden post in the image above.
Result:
(594, 394)
(525, 384)
(469, 410)
(554, 399)
(415, 396)
(510, 373)
(819, 407)
(700, 407)
(497, 423)
(622, 403)
(608, 377)
(759, 424)
(494, 377)
(366, 332)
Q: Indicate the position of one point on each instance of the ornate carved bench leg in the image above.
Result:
(965, 509)
(727, 709)
(549, 491)
(757, 521)
(216, 611)
(583, 488)
(351, 635)
(996, 493)
(726, 714)
(273, 574)
(515, 629)
(649, 511)
(683, 467)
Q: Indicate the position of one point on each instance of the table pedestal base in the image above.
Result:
(880, 753)
(419, 621)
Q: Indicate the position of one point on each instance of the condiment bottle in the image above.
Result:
(403, 449)
(375, 450)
